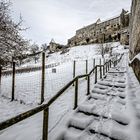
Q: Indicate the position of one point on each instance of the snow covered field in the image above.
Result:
(28, 92)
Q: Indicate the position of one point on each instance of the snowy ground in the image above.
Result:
(28, 91)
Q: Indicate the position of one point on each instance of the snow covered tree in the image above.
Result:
(101, 51)
(34, 48)
(12, 44)
(44, 47)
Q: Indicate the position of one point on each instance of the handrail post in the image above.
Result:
(114, 63)
(13, 82)
(45, 123)
(86, 68)
(106, 66)
(76, 94)
(103, 69)
(100, 70)
(95, 74)
(88, 84)
(74, 69)
(43, 78)
(93, 62)
(110, 63)
(74, 66)
(0, 73)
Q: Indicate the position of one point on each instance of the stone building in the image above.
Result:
(114, 29)
(54, 47)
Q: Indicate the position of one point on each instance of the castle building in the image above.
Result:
(114, 29)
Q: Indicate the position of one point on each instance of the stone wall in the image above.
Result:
(135, 37)
(135, 28)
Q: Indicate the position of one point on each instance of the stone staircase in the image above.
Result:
(102, 116)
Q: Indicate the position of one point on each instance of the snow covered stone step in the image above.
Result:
(121, 89)
(70, 134)
(100, 86)
(80, 122)
(107, 94)
(116, 84)
(100, 91)
(121, 101)
(119, 116)
(115, 79)
(98, 96)
(102, 110)
(122, 85)
(105, 83)
(110, 128)
(87, 135)
(96, 111)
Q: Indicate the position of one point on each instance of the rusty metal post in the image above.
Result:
(13, 82)
(76, 94)
(96, 74)
(45, 124)
(88, 85)
(43, 78)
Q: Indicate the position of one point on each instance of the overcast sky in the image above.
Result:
(59, 19)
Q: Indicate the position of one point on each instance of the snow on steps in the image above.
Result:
(102, 116)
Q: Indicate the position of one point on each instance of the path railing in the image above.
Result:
(103, 69)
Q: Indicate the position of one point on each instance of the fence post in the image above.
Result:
(45, 123)
(76, 94)
(0, 73)
(95, 74)
(43, 78)
(13, 82)
(88, 84)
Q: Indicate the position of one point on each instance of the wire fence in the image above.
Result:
(25, 84)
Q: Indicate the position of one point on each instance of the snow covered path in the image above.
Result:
(104, 114)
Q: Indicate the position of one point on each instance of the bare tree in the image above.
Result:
(12, 44)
